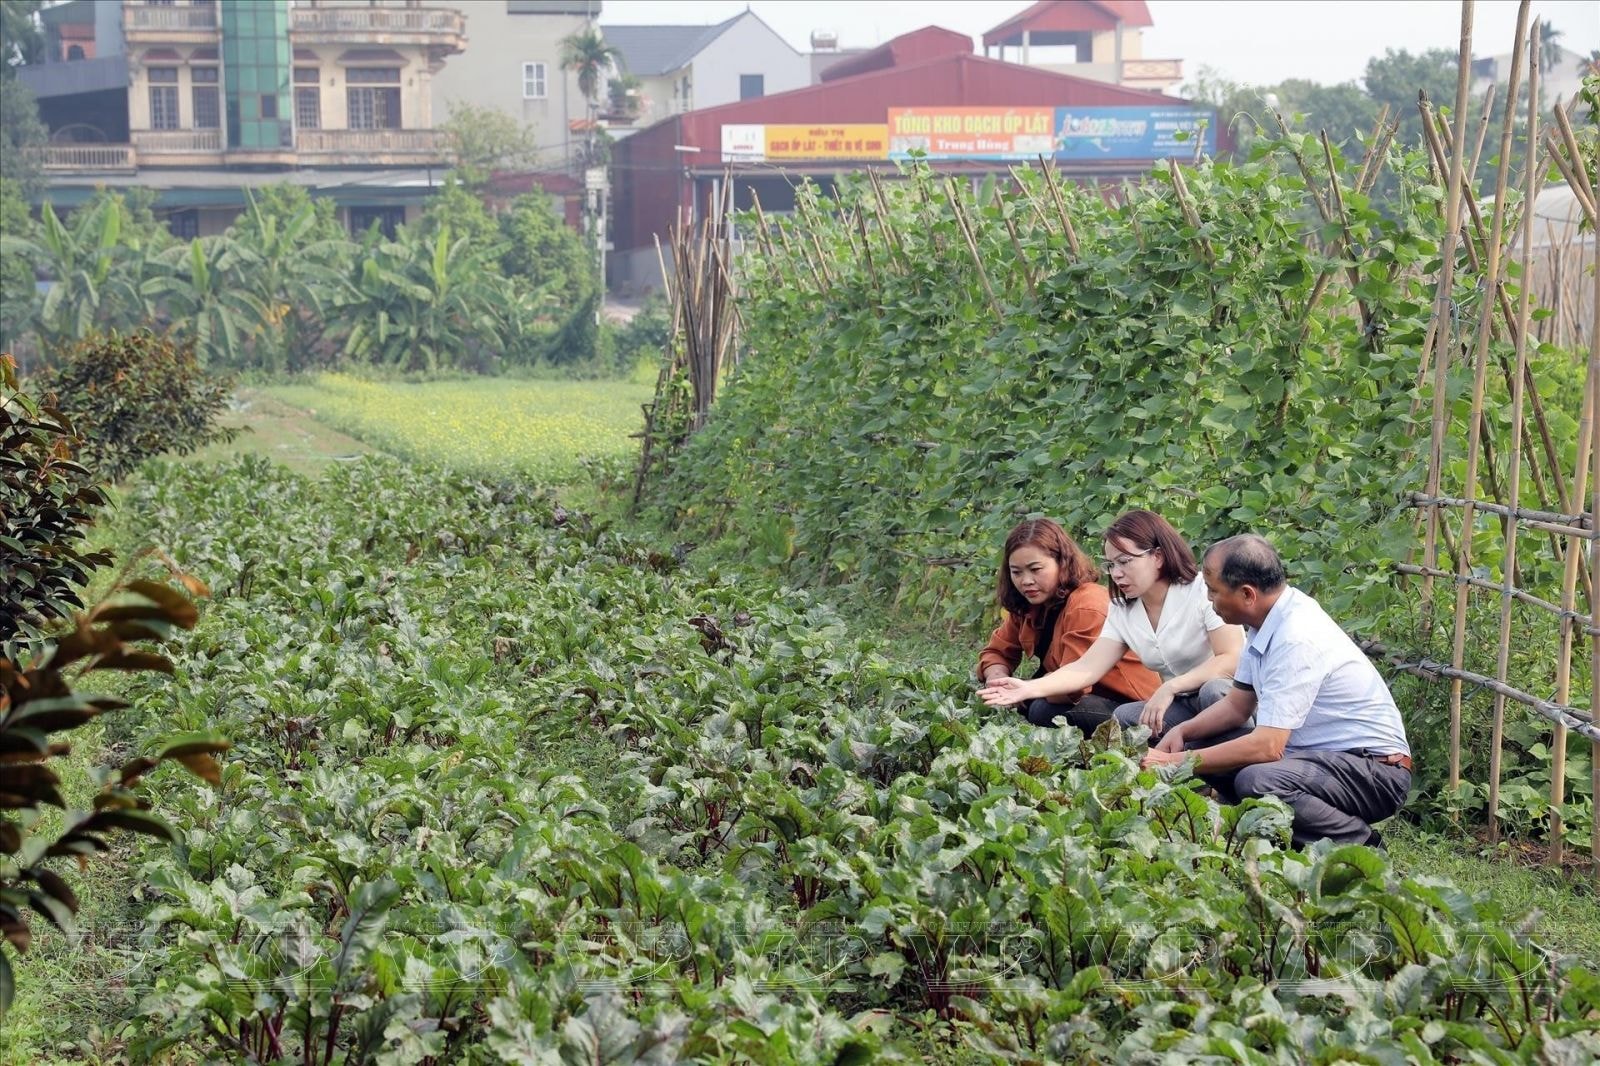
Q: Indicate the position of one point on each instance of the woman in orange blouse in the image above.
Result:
(1054, 607)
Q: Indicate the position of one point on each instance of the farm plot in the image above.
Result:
(782, 846)
(536, 429)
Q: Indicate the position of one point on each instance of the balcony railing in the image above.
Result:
(158, 17)
(410, 143)
(87, 156)
(1152, 70)
(348, 20)
(187, 142)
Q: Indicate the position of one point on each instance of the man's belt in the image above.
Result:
(1396, 759)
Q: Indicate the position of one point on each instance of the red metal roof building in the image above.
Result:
(676, 166)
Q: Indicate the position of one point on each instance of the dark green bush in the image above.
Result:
(47, 503)
(133, 396)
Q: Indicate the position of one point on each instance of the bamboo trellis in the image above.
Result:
(702, 341)
(1537, 480)
(1567, 529)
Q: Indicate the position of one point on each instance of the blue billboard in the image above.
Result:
(1084, 134)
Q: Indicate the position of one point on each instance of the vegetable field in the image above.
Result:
(509, 786)
(535, 429)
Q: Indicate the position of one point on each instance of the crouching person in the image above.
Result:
(1328, 740)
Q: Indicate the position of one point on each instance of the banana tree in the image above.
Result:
(95, 273)
(206, 290)
(417, 304)
(301, 265)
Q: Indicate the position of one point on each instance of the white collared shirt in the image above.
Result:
(1180, 642)
(1311, 679)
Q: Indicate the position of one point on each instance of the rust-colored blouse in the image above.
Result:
(1077, 628)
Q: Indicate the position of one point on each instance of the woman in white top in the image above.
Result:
(1161, 612)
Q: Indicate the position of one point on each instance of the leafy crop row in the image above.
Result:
(788, 847)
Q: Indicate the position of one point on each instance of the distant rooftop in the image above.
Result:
(1049, 20)
(648, 51)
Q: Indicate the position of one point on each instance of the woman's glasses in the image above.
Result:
(1121, 562)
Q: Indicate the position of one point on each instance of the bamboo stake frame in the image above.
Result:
(1567, 530)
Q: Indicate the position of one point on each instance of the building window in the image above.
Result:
(752, 86)
(387, 219)
(269, 105)
(74, 51)
(533, 85)
(373, 75)
(163, 98)
(184, 225)
(308, 107)
(207, 104)
(374, 109)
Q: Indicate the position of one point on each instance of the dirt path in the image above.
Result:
(280, 432)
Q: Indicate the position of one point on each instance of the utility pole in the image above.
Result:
(595, 189)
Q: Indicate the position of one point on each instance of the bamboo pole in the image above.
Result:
(1568, 525)
(1582, 188)
(1022, 258)
(1441, 312)
(1569, 581)
(1033, 202)
(1572, 717)
(1455, 577)
(1061, 208)
(1508, 567)
(972, 246)
(1483, 128)
(1480, 375)
(1191, 215)
(886, 223)
(1546, 438)
(1594, 545)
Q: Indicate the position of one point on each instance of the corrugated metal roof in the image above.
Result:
(648, 51)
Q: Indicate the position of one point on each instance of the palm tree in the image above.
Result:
(587, 53)
(1549, 47)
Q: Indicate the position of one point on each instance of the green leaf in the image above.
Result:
(364, 925)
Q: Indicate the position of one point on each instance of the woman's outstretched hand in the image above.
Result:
(1006, 692)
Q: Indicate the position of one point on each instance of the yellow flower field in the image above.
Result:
(537, 429)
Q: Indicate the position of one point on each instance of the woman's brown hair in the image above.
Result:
(1076, 566)
(1147, 531)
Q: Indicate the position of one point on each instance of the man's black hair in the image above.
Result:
(1248, 560)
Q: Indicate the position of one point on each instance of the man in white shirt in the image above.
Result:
(1328, 739)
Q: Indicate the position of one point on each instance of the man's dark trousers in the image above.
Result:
(1335, 795)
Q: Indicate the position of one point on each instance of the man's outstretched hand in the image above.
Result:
(1169, 752)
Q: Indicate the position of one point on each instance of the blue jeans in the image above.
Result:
(1184, 708)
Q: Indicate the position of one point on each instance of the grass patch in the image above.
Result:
(74, 993)
(1568, 907)
(541, 430)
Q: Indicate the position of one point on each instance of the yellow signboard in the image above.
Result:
(957, 132)
(858, 141)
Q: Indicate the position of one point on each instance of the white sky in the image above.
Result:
(1257, 42)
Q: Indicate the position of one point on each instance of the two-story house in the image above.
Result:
(682, 68)
(201, 100)
(513, 64)
(1097, 39)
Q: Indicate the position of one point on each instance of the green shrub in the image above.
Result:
(47, 503)
(133, 396)
(643, 338)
